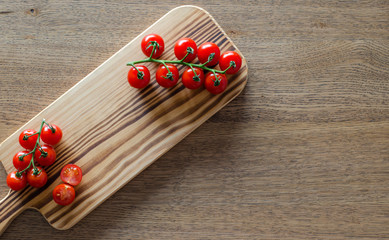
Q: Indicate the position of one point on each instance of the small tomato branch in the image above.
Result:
(191, 65)
(36, 147)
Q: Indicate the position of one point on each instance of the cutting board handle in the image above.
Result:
(10, 207)
(9, 210)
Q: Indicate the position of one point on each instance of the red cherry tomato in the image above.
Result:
(204, 52)
(190, 80)
(71, 174)
(21, 160)
(147, 46)
(16, 182)
(64, 194)
(162, 75)
(181, 49)
(226, 59)
(136, 79)
(45, 155)
(51, 135)
(37, 180)
(26, 141)
(215, 86)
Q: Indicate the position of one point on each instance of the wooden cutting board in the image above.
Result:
(113, 131)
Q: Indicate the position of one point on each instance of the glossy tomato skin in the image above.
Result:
(38, 180)
(189, 80)
(161, 75)
(28, 143)
(16, 183)
(52, 135)
(215, 88)
(45, 159)
(137, 81)
(181, 49)
(64, 194)
(205, 50)
(71, 174)
(20, 162)
(225, 60)
(148, 50)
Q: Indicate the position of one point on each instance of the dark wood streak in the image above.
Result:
(6, 12)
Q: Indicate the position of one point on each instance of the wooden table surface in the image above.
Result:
(302, 153)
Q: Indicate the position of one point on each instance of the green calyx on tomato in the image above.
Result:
(140, 75)
(169, 76)
(190, 50)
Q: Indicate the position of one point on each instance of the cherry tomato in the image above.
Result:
(204, 52)
(51, 134)
(64, 194)
(136, 79)
(38, 180)
(21, 160)
(190, 80)
(226, 59)
(26, 141)
(181, 49)
(213, 86)
(162, 75)
(45, 155)
(71, 174)
(16, 182)
(147, 46)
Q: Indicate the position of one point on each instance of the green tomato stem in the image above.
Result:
(196, 77)
(176, 62)
(181, 62)
(186, 55)
(216, 82)
(36, 172)
(51, 127)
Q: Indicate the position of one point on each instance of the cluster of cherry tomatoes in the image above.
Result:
(29, 163)
(186, 50)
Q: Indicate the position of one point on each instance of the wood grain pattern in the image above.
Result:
(303, 149)
(113, 131)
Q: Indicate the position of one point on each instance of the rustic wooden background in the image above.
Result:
(302, 153)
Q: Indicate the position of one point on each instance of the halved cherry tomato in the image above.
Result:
(181, 49)
(226, 59)
(37, 180)
(138, 79)
(147, 47)
(51, 134)
(64, 194)
(28, 138)
(16, 182)
(162, 75)
(190, 80)
(21, 160)
(215, 86)
(45, 155)
(71, 174)
(207, 49)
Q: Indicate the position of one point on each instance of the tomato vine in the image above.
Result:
(208, 54)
